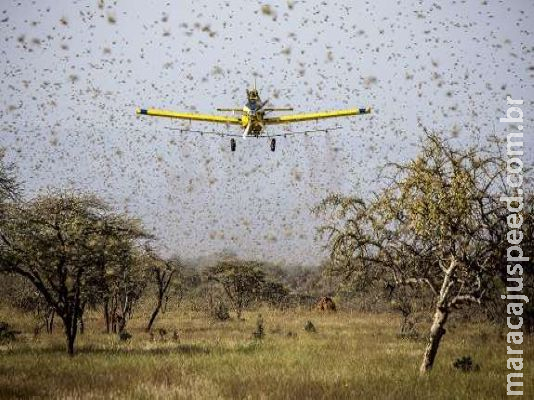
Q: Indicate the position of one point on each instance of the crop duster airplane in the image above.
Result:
(253, 119)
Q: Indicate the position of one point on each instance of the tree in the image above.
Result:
(20, 294)
(9, 188)
(241, 280)
(494, 307)
(50, 242)
(55, 242)
(438, 225)
(122, 270)
(9, 193)
(274, 293)
(162, 272)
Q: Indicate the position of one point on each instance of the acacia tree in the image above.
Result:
(242, 281)
(55, 242)
(162, 273)
(122, 270)
(127, 282)
(437, 225)
(50, 242)
(9, 193)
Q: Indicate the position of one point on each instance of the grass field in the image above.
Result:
(351, 356)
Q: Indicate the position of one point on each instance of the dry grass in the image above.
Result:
(352, 356)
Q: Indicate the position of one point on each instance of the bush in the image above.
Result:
(124, 336)
(7, 334)
(310, 327)
(465, 364)
(259, 333)
(220, 312)
(275, 294)
(408, 331)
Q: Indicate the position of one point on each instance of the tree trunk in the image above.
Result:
(81, 319)
(71, 329)
(70, 344)
(49, 321)
(153, 316)
(113, 315)
(51, 325)
(106, 315)
(441, 314)
(436, 333)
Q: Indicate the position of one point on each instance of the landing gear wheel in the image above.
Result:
(273, 144)
(232, 144)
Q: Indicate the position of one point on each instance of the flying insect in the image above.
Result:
(253, 118)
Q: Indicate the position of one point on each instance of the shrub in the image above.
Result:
(220, 312)
(124, 336)
(259, 333)
(7, 334)
(408, 331)
(465, 364)
(310, 327)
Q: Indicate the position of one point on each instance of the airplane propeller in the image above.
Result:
(247, 129)
(262, 105)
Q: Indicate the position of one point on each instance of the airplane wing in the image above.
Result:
(285, 119)
(306, 132)
(192, 117)
(208, 133)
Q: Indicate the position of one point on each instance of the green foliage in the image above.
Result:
(75, 253)
(438, 226)
(242, 281)
(275, 293)
(9, 188)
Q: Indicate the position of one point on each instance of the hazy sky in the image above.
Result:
(73, 72)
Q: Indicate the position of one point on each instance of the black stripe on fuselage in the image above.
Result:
(143, 111)
(363, 111)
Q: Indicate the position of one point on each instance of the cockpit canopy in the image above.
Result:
(253, 99)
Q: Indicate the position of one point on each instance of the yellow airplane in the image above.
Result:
(253, 119)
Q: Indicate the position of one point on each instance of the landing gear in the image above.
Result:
(232, 144)
(273, 144)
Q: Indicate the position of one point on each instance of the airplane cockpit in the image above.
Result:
(253, 101)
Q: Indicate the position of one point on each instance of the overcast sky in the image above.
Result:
(73, 72)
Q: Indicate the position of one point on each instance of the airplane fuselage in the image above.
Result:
(252, 118)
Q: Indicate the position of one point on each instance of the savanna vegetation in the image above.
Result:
(90, 309)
